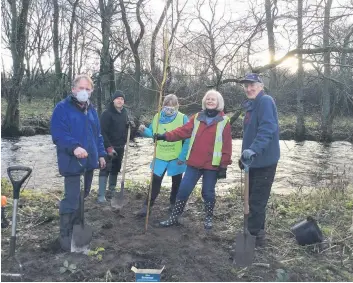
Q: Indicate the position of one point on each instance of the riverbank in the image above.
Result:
(187, 252)
(35, 119)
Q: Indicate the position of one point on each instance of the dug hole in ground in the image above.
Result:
(187, 251)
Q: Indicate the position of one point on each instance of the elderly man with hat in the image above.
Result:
(261, 145)
(114, 123)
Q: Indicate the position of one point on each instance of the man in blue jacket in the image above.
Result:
(76, 133)
(260, 143)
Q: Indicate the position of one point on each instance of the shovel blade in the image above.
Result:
(81, 238)
(117, 201)
(244, 249)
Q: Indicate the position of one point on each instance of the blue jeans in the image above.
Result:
(72, 185)
(189, 181)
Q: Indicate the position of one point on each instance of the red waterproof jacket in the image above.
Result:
(202, 149)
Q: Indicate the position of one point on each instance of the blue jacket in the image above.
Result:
(70, 128)
(171, 166)
(261, 130)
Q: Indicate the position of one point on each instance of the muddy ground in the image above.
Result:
(187, 251)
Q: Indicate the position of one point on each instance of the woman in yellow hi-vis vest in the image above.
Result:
(170, 157)
(208, 156)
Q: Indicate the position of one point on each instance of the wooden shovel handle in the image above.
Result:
(126, 153)
(246, 193)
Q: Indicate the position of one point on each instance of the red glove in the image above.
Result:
(111, 151)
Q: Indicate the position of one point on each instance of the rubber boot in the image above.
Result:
(112, 182)
(101, 189)
(143, 211)
(209, 206)
(176, 212)
(66, 226)
(170, 208)
(260, 239)
(112, 185)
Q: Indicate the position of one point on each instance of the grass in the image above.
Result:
(312, 123)
(38, 108)
(331, 206)
(331, 260)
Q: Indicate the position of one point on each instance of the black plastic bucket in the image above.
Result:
(307, 232)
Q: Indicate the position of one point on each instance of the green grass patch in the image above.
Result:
(38, 108)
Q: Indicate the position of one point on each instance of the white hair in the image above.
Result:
(220, 100)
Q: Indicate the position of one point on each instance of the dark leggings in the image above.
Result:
(157, 183)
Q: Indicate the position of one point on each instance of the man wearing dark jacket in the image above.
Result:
(76, 133)
(261, 145)
(114, 123)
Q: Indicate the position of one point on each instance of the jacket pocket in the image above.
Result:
(68, 164)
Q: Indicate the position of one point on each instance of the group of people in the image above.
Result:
(186, 150)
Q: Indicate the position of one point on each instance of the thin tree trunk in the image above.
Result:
(112, 75)
(105, 55)
(57, 59)
(326, 121)
(271, 44)
(69, 47)
(300, 126)
(134, 45)
(346, 71)
(155, 81)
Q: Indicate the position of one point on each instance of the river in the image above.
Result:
(305, 164)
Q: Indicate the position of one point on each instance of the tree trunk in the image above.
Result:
(155, 81)
(300, 126)
(57, 59)
(98, 88)
(326, 121)
(271, 44)
(11, 125)
(105, 11)
(137, 76)
(69, 47)
(134, 45)
(112, 75)
(345, 71)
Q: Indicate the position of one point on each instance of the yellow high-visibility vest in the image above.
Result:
(168, 150)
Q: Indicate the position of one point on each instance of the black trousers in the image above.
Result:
(156, 187)
(113, 164)
(260, 184)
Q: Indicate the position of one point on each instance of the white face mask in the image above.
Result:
(82, 96)
(169, 110)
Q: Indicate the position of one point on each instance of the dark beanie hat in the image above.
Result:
(117, 94)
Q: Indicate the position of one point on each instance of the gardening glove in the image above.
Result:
(159, 137)
(240, 164)
(248, 154)
(222, 173)
(111, 152)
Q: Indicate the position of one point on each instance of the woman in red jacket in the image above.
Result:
(209, 154)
